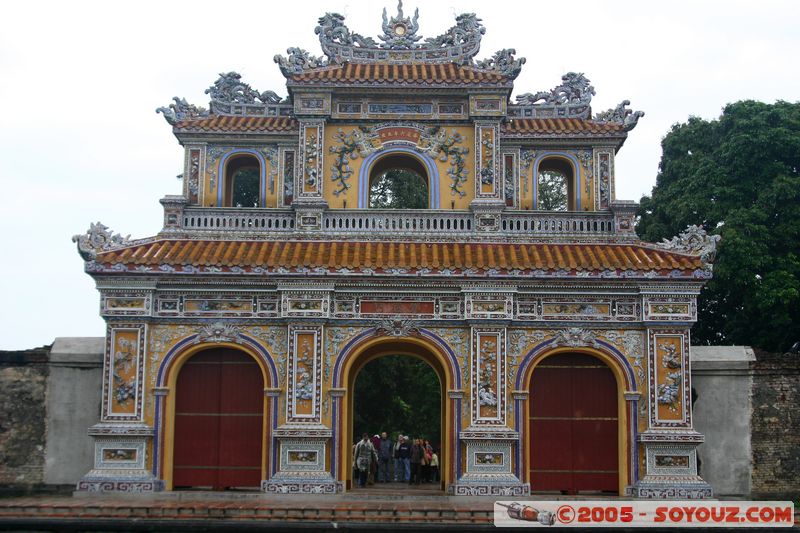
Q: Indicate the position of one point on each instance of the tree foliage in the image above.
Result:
(398, 393)
(399, 188)
(551, 191)
(737, 176)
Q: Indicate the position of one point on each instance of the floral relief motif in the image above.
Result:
(335, 338)
(585, 158)
(526, 158)
(124, 371)
(311, 158)
(487, 144)
(669, 391)
(359, 142)
(436, 143)
(124, 361)
(631, 344)
(304, 386)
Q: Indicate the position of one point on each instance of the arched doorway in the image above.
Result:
(555, 185)
(399, 181)
(375, 348)
(219, 421)
(399, 394)
(243, 181)
(574, 423)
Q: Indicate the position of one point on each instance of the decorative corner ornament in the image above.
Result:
(503, 63)
(397, 328)
(229, 89)
(180, 109)
(219, 332)
(98, 239)
(627, 118)
(695, 241)
(298, 61)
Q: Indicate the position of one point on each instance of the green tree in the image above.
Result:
(398, 393)
(399, 188)
(738, 177)
(551, 191)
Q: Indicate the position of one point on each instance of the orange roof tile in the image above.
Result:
(384, 256)
(226, 123)
(415, 73)
(527, 126)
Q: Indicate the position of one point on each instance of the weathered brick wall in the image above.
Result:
(23, 382)
(776, 426)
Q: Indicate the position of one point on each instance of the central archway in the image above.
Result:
(398, 181)
(379, 347)
(398, 394)
(403, 158)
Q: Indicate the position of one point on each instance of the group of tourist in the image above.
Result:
(379, 459)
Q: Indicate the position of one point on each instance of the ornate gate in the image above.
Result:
(574, 425)
(219, 414)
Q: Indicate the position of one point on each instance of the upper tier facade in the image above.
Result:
(306, 166)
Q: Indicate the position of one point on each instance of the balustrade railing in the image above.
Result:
(410, 223)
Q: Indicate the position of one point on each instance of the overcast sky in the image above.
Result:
(79, 83)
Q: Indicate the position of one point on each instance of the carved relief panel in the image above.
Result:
(488, 376)
(669, 378)
(304, 375)
(311, 160)
(191, 174)
(486, 161)
(604, 178)
(123, 372)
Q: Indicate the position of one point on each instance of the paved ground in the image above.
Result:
(390, 507)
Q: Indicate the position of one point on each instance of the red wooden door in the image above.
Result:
(573, 425)
(219, 413)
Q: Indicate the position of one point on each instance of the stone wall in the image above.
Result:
(776, 426)
(722, 381)
(23, 384)
(73, 406)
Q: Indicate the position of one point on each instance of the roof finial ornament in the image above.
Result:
(400, 31)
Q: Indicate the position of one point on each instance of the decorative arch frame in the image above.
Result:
(627, 405)
(223, 174)
(576, 174)
(166, 380)
(366, 347)
(369, 163)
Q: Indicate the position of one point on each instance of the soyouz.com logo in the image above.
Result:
(643, 513)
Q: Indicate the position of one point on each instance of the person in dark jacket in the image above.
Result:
(404, 451)
(417, 455)
(385, 449)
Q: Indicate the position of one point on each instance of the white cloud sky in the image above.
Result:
(80, 80)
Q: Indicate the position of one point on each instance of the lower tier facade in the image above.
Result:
(574, 406)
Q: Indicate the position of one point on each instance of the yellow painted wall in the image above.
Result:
(447, 198)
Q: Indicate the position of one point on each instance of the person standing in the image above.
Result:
(417, 455)
(398, 462)
(384, 458)
(405, 456)
(363, 457)
(427, 455)
(434, 467)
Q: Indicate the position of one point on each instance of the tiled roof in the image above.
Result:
(227, 123)
(533, 126)
(414, 73)
(382, 257)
